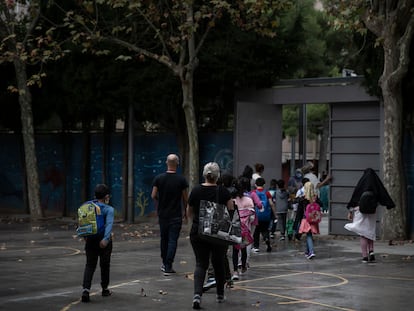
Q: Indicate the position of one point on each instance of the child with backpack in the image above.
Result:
(98, 241)
(311, 218)
(263, 215)
(248, 222)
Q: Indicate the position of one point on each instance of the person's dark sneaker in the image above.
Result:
(365, 260)
(168, 272)
(371, 257)
(106, 292)
(220, 298)
(269, 248)
(162, 268)
(311, 256)
(211, 282)
(197, 302)
(229, 284)
(85, 296)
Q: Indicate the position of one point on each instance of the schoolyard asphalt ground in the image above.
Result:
(42, 266)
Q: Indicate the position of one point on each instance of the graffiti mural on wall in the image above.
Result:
(11, 180)
(141, 203)
(51, 173)
(150, 161)
(150, 152)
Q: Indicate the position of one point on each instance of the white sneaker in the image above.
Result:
(255, 250)
(311, 255)
(235, 276)
(211, 282)
(197, 302)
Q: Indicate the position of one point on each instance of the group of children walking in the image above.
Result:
(262, 211)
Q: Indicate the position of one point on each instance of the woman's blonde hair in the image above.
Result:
(309, 191)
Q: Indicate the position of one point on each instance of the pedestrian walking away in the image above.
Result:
(299, 209)
(282, 204)
(205, 249)
(228, 181)
(362, 211)
(309, 225)
(263, 212)
(248, 220)
(259, 169)
(274, 220)
(170, 193)
(99, 245)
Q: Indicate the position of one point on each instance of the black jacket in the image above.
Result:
(371, 182)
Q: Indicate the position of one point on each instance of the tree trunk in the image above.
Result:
(26, 114)
(187, 84)
(191, 122)
(393, 222)
(393, 23)
(86, 160)
(106, 150)
(125, 158)
(66, 152)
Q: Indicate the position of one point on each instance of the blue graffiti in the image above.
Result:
(149, 160)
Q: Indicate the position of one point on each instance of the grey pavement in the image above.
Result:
(42, 267)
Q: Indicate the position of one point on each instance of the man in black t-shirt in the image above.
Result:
(170, 193)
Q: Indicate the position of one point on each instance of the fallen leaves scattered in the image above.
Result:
(399, 242)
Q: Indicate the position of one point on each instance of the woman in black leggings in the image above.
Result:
(204, 250)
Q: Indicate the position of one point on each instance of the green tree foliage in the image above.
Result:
(172, 33)
(317, 116)
(305, 46)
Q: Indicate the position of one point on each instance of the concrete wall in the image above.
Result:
(258, 138)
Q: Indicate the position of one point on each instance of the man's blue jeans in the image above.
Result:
(170, 229)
